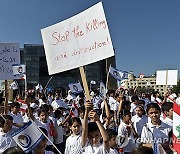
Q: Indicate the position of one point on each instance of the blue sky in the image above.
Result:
(145, 33)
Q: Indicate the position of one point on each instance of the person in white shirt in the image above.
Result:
(73, 142)
(92, 132)
(112, 101)
(134, 103)
(58, 102)
(127, 133)
(112, 134)
(6, 140)
(167, 109)
(17, 117)
(155, 131)
(139, 119)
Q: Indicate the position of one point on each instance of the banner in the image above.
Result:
(80, 40)
(118, 74)
(75, 88)
(19, 71)
(9, 55)
(25, 139)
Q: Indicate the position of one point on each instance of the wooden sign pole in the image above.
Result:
(83, 77)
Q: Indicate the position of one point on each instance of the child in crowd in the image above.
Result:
(6, 140)
(17, 117)
(167, 109)
(155, 131)
(139, 119)
(92, 132)
(44, 122)
(73, 142)
(112, 134)
(126, 132)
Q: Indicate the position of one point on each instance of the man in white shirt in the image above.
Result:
(58, 102)
(167, 109)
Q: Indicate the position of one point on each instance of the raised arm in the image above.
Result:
(88, 107)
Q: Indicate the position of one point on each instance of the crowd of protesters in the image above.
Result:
(121, 122)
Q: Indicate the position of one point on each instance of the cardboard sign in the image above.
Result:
(167, 77)
(9, 55)
(80, 40)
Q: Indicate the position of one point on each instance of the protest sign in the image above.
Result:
(166, 77)
(9, 55)
(19, 70)
(80, 40)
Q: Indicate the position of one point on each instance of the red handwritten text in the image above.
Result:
(64, 55)
(60, 38)
(95, 25)
(77, 32)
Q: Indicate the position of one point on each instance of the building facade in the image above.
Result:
(145, 82)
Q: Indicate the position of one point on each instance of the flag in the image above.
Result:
(19, 70)
(158, 149)
(25, 139)
(176, 127)
(74, 110)
(75, 88)
(13, 85)
(23, 105)
(39, 86)
(141, 76)
(118, 74)
(102, 90)
(93, 82)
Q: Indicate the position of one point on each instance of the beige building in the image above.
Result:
(145, 82)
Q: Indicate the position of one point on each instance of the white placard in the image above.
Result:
(80, 40)
(169, 75)
(9, 55)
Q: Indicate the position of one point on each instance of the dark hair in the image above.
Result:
(13, 150)
(43, 109)
(57, 113)
(134, 98)
(15, 104)
(166, 106)
(74, 119)
(111, 133)
(7, 117)
(142, 150)
(125, 112)
(92, 126)
(153, 105)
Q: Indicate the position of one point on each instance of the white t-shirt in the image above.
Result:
(129, 143)
(151, 133)
(139, 122)
(133, 107)
(59, 131)
(112, 102)
(17, 118)
(59, 103)
(73, 144)
(96, 102)
(113, 151)
(46, 126)
(116, 106)
(168, 121)
(89, 149)
(6, 141)
(178, 100)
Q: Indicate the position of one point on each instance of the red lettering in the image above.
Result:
(60, 38)
(77, 32)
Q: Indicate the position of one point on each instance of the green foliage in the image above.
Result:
(176, 89)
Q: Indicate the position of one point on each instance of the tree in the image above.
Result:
(176, 89)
